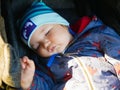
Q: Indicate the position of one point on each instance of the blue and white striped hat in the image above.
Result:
(37, 15)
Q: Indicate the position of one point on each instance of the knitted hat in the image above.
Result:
(37, 15)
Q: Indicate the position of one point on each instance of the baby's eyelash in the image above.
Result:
(47, 32)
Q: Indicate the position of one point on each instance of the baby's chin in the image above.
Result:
(47, 55)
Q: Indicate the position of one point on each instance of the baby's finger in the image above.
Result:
(30, 63)
(22, 63)
(27, 63)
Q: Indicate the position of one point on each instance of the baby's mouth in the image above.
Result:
(52, 48)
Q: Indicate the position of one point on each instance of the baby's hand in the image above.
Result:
(27, 72)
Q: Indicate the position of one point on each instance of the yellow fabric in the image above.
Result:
(2, 29)
(10, 68)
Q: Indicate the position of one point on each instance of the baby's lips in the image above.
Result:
(52, 49)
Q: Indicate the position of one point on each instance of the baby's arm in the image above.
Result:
(27, 72)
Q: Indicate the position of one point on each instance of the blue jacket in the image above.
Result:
(91, 62)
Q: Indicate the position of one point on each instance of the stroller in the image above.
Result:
(72, 10)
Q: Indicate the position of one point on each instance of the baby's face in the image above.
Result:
(50, 39)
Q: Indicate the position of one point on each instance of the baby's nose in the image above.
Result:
(46, 43)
